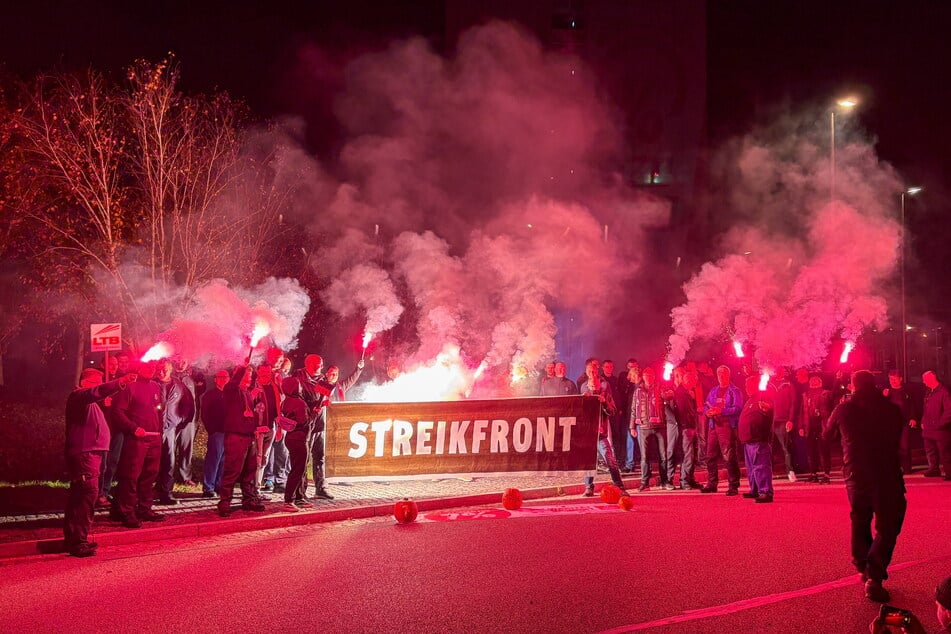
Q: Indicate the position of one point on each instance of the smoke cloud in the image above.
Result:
(473, 191)
(812, 268)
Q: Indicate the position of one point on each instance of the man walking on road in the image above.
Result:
(869, 427)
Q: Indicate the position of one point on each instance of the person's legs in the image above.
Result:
(689, 442)
(860, 514)
(166, 478)
(148, 475)
(889, 517)
(111, 463)
(933, 456)
(713, 458)
(184, 447)
(213, 459)
(81, 500)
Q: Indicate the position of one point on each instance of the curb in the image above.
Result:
(27, 548)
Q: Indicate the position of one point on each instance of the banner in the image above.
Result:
(388, 441)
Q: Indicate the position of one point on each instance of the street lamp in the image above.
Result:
(846, 104)
(911, 191)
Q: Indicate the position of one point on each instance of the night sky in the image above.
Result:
(762, 56)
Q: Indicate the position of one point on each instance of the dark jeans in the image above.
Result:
(110, 463)
(887, 507)
(241, 465)
(606, 451)
(138, 469)
(702, 433)
(689, 443)
(296, 488)
(214, 462)
(674, 451)
(938, 452)
(317, 458)
(721, 443)
(278, 463)
(644, 437)
(904, 450)
(83, 469)
(184, 443)
(785, 444)
(619, 435)
(820, 453)
(759, 467)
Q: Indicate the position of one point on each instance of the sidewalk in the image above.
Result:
(26, 535)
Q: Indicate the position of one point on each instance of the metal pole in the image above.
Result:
(904, 323)
(832, 152)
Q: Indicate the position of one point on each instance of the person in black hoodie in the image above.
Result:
(242, 422)
(87, 441)
(315, 390)
(296, 441)
(869, 427)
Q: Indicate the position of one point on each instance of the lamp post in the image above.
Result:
(911, 191)
(846, 104)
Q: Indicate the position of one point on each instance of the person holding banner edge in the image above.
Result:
(598, 387)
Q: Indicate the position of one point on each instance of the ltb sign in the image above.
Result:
(105, 337)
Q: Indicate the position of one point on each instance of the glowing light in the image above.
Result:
(738, 348)
(445, 378)
(911, 191)
(847, 102)
(849, 346)
(261, 330)
(160, 350)
(519, 372)
(668, 370)
(763, 380)
(480, 370)
(367, 336)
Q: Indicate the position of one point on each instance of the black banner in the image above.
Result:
(374, 441)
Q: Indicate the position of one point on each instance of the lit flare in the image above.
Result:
(764, 381)
(738, 348)
(849, 346)
(668, 370)
(161, 350)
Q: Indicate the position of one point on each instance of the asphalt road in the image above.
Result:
(680, 562)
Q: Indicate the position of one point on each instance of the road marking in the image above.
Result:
(756, 602)
(525, 511)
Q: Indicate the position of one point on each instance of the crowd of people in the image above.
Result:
(265, 425)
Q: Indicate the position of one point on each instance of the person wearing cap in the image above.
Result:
(870, 427)
(213, 418)
(87, 441)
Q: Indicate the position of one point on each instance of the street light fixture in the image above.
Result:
(911, 191)
(846, 103)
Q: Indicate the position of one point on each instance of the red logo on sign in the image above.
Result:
(109, 328)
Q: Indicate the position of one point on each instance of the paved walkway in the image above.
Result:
(23, 535)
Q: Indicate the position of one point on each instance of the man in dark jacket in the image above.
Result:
(685, 409)
(297, 441)
(315, 390)
(785, 413)
(936, 426)
(178, 410)
(755, 431)
(559, 385)
(137, 416)
(815, 410)
(897, 393)
(87, 440)
(213, 411)
(242, 422)
(870, 431)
